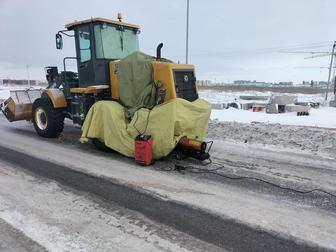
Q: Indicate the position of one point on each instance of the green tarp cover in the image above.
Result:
(136, 86)
(166, 123)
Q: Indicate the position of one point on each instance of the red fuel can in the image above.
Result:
(143, 150)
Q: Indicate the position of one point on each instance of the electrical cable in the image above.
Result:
(204, 171)
(147, 121)
(196, 170)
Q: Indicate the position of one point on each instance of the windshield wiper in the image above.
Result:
(122, 40)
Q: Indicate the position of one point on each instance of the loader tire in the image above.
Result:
(48, 121)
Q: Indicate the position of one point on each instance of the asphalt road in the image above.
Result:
(41, 215)
(198, 230)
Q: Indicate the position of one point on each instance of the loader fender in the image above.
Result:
(57, 97)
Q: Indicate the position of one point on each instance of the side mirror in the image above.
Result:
(59, 41)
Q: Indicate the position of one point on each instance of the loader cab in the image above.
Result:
(99, 41)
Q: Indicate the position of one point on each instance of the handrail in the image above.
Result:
(67, 88)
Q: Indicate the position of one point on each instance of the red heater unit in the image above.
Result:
(143, 150)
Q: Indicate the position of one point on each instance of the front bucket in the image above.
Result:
(19, 105)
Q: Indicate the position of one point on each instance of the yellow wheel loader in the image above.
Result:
(100, 44)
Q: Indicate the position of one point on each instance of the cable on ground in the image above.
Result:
(214, 171)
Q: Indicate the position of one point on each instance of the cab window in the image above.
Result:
(84, 43)
(113, 42)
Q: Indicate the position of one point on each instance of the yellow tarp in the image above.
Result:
(167, 123)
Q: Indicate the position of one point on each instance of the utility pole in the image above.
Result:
(335, 88)
(28, 75)
(187, 34)
(330, 70)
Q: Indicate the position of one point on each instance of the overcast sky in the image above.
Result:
(229, 39)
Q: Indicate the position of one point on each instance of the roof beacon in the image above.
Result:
(120, 17)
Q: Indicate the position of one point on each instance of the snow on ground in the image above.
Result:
(215, 96)
(322, 117)
(299, 139)
(5, 90)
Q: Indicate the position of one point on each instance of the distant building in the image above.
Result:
(285, 84)
(314, 84)
(305, 84)
(322, 84)
(203, 83)
(243, 82)
(253, 83)
(6, 82)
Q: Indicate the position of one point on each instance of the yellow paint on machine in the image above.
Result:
(89, 90)
(57, 97)
(98, 19)
(162, 71)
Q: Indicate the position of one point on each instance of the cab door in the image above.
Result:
(85, 56)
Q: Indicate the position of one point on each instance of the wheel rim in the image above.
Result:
(41, 119)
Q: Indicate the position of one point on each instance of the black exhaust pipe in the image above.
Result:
(158, 51)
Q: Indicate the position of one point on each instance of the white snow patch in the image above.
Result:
(323, 117)
(5, 90)
(215, 96)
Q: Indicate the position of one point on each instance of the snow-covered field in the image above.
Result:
(215, 96)
(322, 117)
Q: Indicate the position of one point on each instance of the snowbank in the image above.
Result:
(276, 136)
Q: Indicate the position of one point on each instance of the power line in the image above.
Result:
(256, 51)
(303, 52)
(269, 50)
(330, 70)
(319, 55)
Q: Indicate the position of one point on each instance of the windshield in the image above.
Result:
(115, 43)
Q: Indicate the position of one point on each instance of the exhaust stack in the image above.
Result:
(158, 51)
